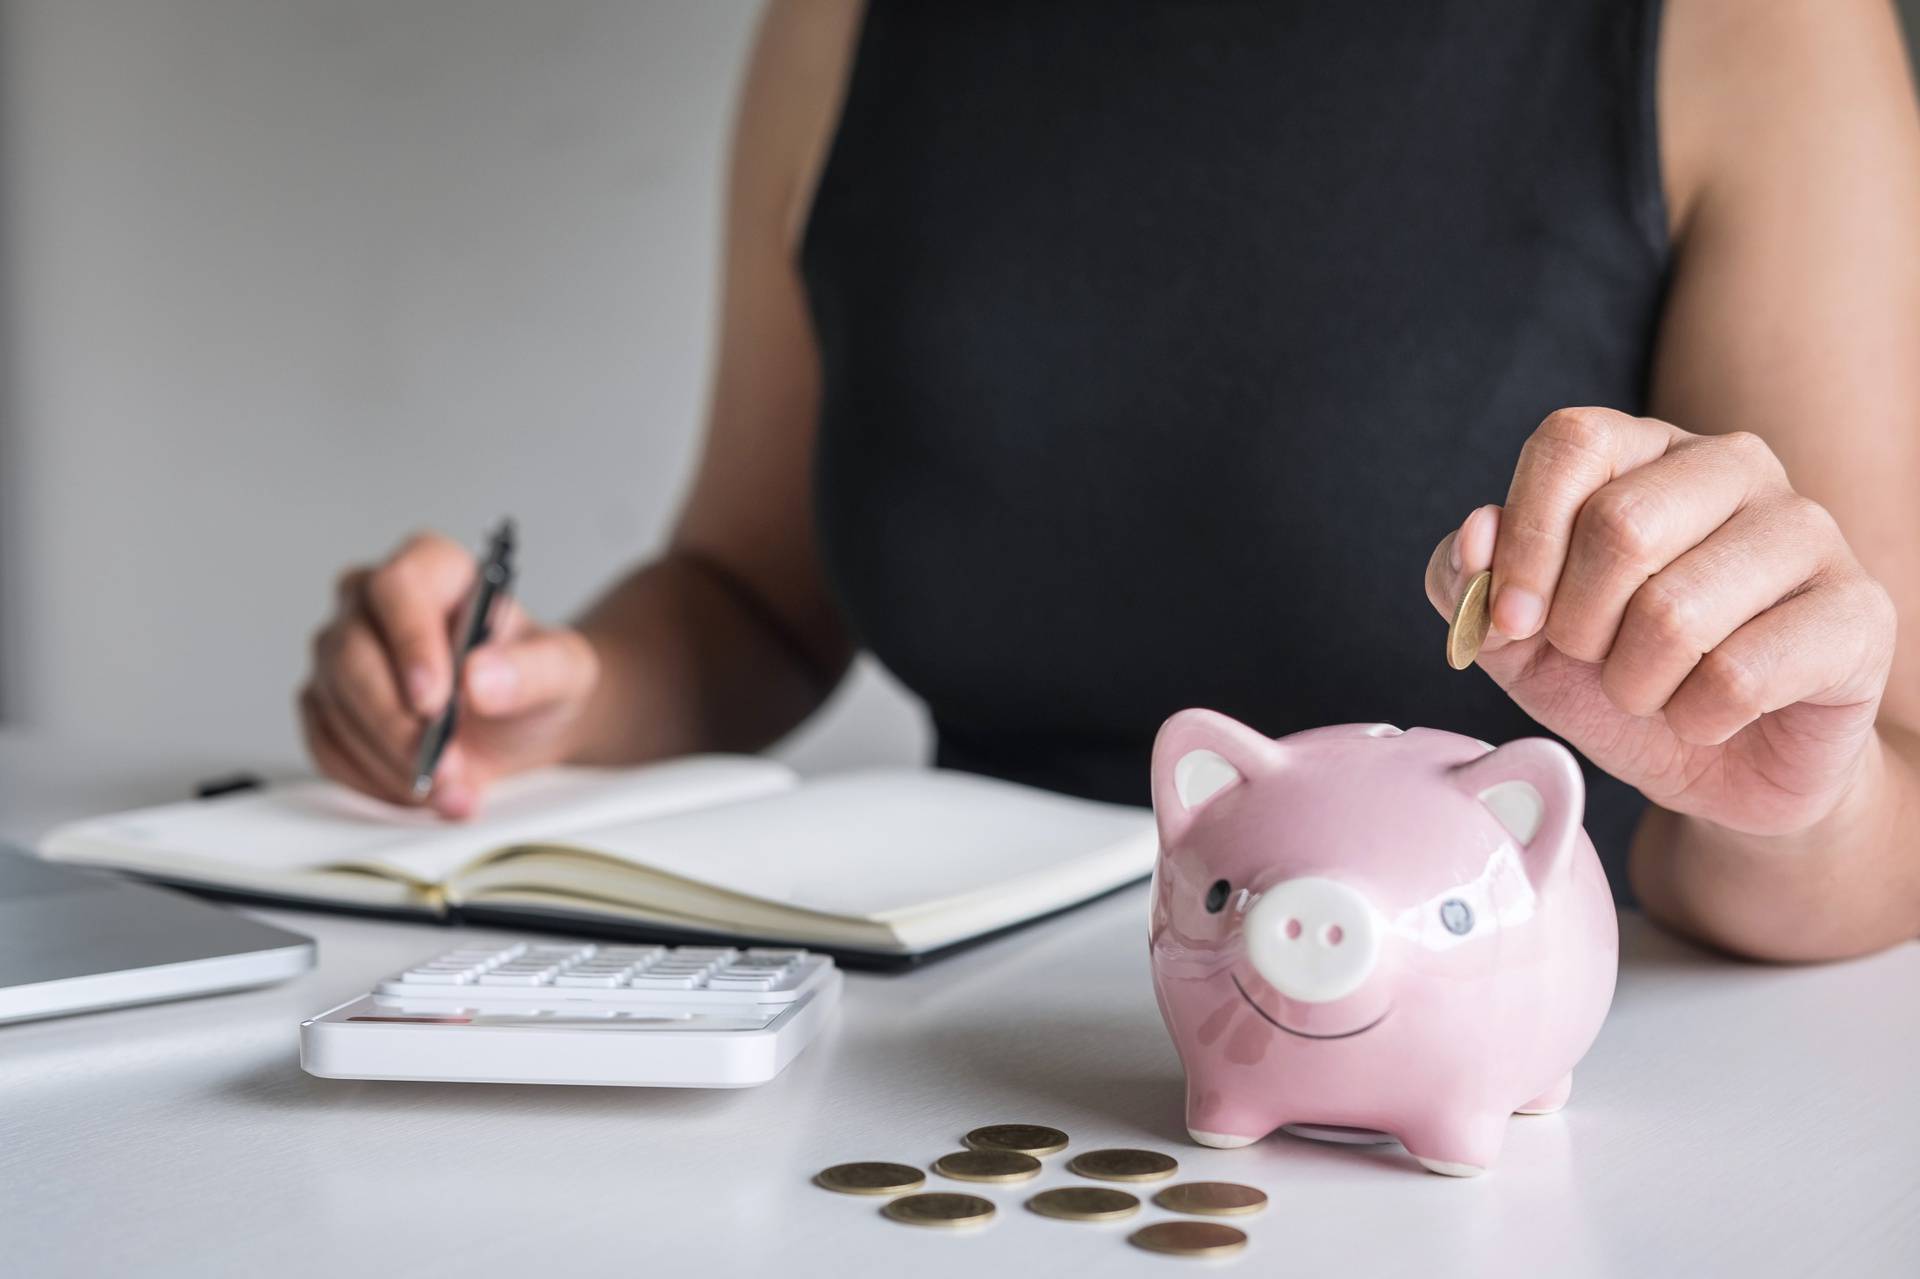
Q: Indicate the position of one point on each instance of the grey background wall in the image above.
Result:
(289, 278)
(284, 279)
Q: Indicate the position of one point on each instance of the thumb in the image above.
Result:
(1461, 556)
(530, 672)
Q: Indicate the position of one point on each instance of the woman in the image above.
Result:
(1088, 361)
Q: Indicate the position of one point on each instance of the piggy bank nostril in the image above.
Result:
(1293, 930)
(1334, 934)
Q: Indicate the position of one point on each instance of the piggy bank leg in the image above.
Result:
(1455, 1145)
(1219, 1119)
(1550, 1100)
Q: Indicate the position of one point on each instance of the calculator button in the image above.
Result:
(740, 983)
(514, 979)
(424, 976)
(606, 980)
(669, 981)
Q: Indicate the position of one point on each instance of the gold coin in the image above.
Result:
(1468, 629)
(1124, 1165)
(987, 1165)
(1211, 1198)
(870, 1178)
(1189, 1238)
(1026, 1139)
(939, 1210)
(1084, 1203)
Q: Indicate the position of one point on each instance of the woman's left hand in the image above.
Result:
(1672, 608)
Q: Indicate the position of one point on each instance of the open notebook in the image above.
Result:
(886, 864)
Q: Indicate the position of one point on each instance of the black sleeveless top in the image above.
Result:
(1162, 340)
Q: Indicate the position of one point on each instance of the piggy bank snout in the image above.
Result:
(1313, 939)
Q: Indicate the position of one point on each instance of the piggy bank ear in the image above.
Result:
(1197, 755)
(1533, 788)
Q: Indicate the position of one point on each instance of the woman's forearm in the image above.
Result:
(692, 660)
(1847, 885)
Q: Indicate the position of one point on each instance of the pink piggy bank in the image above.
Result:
(1403, 932)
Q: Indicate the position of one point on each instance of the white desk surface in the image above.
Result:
(1731, 1120)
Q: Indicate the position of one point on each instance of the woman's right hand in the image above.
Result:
(383, 667)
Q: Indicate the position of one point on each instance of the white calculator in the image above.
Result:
(666, 1017)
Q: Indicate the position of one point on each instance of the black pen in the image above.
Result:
(495, 580)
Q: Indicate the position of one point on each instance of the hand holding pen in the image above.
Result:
(491, 588)
(406, 660)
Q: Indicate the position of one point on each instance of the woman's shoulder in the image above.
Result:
(1750, 92)
(790, 99)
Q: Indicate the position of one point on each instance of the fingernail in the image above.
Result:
(421, 691)
(1453, 554)
(1517, 612)
(490, 679)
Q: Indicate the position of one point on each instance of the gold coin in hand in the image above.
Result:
(1471, 619)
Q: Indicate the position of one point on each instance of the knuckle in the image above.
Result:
(360, 682)
(389, 582)
(1733, 682)
(1879, 615)
(349, 582)
(1749, 451)
(419, 542)
(1809, 519)
(1880, 606)
(582, 658)
(1621, 524)
(320, 645)
(426, 546)
(1578, 430)
(1670, 612)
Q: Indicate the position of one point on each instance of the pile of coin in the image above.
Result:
(1009, 1153)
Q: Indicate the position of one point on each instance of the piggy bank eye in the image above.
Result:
(1217, 896)
(1457, 916)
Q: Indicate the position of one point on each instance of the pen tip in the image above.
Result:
(422, 786)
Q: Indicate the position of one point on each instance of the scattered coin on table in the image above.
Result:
(940, 1209)
(1189, 1238)
(1084, 1203)
(1468, 629)
(870, 1178)
(1025, 1139)
(1211, 1198)
(987, 1165)
(1123, 1165)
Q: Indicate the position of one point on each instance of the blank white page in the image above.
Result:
(874, 843)
(312, 825)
